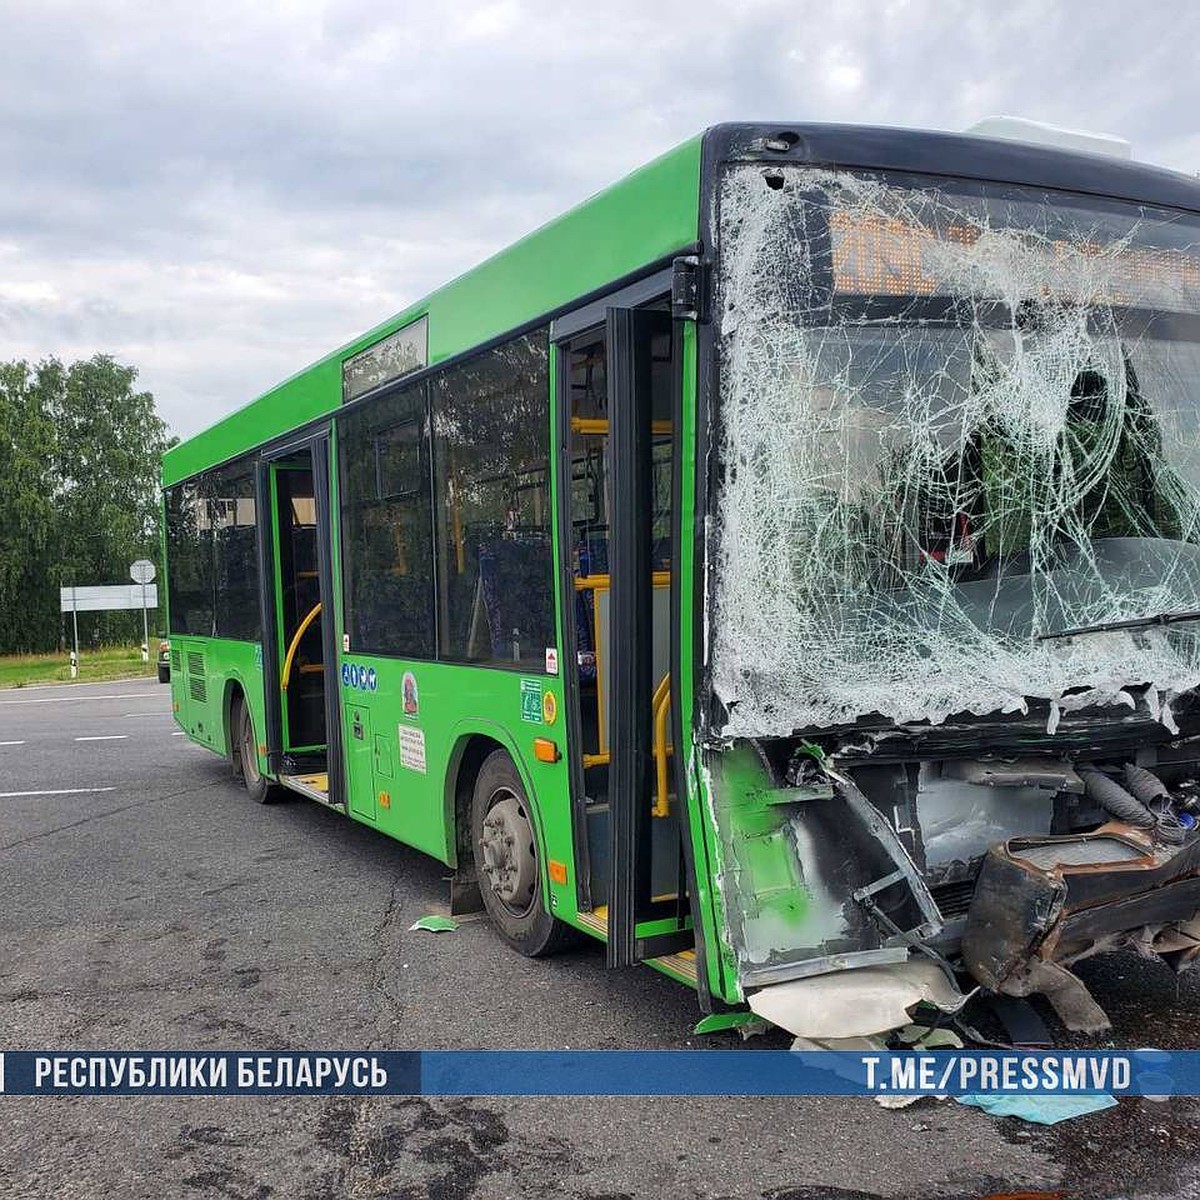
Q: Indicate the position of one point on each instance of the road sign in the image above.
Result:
(103, 599)
(141, 571)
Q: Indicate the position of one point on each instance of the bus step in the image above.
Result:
(315, 787)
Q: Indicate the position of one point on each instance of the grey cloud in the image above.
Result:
(221, 193)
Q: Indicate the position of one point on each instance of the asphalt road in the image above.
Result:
(145, 903)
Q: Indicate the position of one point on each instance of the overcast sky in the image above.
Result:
(221, 193)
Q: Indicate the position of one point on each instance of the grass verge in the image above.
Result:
(109, 662)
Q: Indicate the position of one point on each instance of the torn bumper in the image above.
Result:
(858, 1002)
(1042, 903)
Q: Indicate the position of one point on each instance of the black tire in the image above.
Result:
(164, 672)
(244, 757)
(512, 896)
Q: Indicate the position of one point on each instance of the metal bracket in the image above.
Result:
(688, 278)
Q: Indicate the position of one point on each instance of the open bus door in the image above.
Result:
(299, 635)
(619, 387)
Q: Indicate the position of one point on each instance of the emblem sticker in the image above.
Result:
(411, 698)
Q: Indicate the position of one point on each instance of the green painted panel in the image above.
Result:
(421, 712)
(200, 690)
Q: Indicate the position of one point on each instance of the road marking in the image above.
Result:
(179, 733)
(164, 713)
(82, 699)
(104, 737)
(12, 743)
(58, 792)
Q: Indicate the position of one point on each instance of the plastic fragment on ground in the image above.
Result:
(862, 1045)
(921, 1037)
(896, 1100)
(745, 1022)
(1041, 1110)
(435, 924)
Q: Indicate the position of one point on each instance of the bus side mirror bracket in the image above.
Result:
(689, 278)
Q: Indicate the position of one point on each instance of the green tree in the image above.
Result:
(29, 549)
(79, 470)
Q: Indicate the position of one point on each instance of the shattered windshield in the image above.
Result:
(953, 417)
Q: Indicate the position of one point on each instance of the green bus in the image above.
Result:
(783, 567)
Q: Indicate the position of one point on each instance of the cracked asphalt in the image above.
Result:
(166, 911)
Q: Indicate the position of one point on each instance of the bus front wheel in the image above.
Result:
(507, 862)
(245, 755)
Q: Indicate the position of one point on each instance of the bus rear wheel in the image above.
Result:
(245, 755)
(507, 861)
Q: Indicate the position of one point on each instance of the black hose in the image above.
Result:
(1114, 799)
(1153, 793)
(1146, 786)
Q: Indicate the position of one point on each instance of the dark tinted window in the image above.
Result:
(189, 560)
(387, 527)
(491, 419)
(235, 552)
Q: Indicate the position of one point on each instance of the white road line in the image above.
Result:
(58, 792)
(12, 743)
(104, 737)
(164, 713)
(179, 733)
(82, 699)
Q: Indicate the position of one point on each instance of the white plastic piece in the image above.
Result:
(1039, 133)
(855, 1003)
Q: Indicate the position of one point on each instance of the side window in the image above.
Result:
(387, 538)
(235, 553)
(491, 425)
(189, 560)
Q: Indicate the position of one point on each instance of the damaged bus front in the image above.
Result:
(951, 734)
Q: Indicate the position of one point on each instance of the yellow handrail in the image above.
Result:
(291, 654)
(661, 705)
(600, 583)
(598, 426)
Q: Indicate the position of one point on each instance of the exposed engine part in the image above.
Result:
(1051, 774)
(1068, 995)
(1113, 798)
(1153, 793)
(1042, 904)
(1146, 786)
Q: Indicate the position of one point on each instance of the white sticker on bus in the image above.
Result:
(412, 748)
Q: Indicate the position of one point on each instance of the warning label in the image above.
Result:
(412, 748)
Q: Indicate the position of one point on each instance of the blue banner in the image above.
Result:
(599, 1073)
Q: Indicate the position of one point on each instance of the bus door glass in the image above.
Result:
(302, 675)
(617, 535)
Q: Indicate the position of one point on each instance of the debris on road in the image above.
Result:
(435, 924)
(746, 1023)
(1042, 1110)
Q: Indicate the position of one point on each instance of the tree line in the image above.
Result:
(79, 484)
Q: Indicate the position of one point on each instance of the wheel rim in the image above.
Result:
(249, 753)
(509, 855)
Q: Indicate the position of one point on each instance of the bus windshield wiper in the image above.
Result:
(1190, 614)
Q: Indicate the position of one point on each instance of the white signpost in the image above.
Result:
(142, 572)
